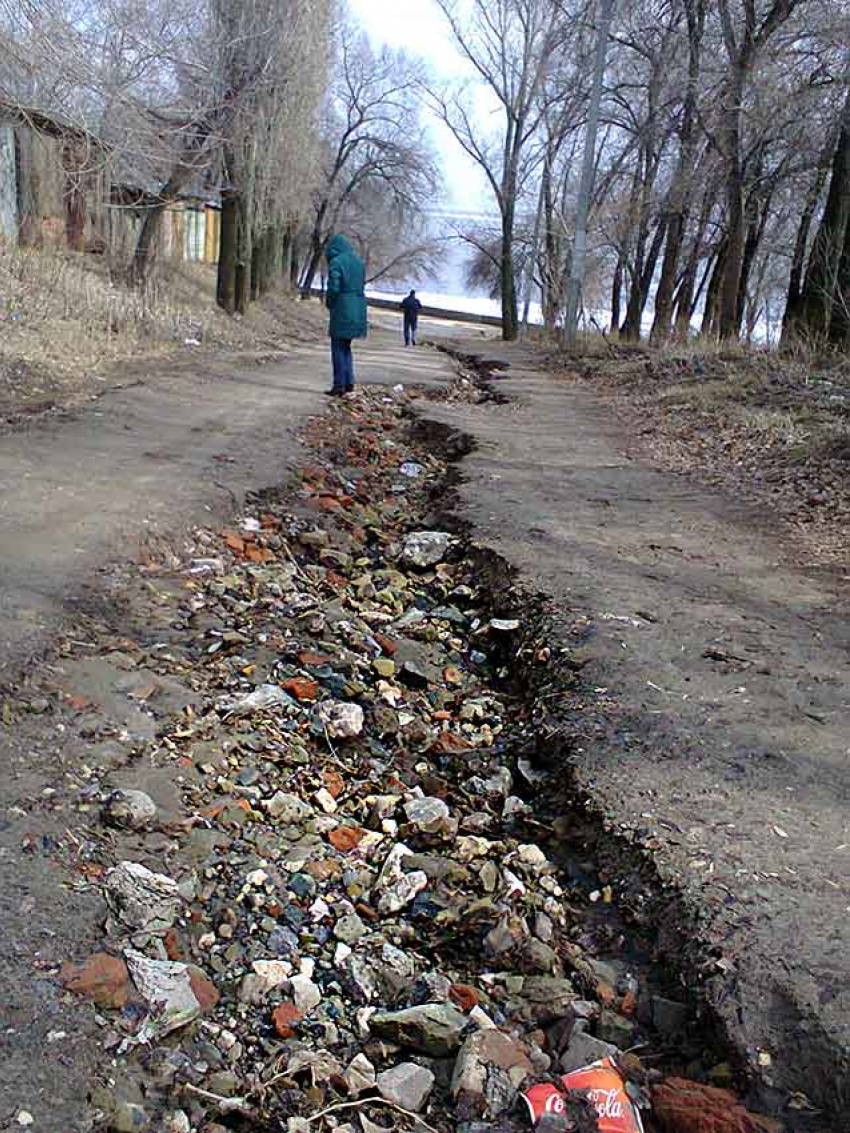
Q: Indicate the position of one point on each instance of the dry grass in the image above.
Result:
(65, 324)
(771, 427)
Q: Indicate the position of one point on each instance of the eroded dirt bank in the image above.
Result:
(311, 789)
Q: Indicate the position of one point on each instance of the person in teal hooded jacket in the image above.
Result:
(346, 301)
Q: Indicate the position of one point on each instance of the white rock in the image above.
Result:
(177, 1122)
(288, 808)
(340, 719)
(166, 987)
(472, 846)
(305, 994)
(397, 896)
(319, 909)
(141, 899)
(513, 886)
(262, 699)
(425, 548)
(407, 1085)
(481, 1019)
(132, 809)
(359, 1075)
(272, 973)
(391, 870)
(428, 815)
(532, 857)
(504, 625)
(326, 801)
(320, 1063)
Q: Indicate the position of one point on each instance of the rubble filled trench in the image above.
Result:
(375, 903)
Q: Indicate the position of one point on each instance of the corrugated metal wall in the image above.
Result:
(41, 187)
(55, 189)
(196, 234)
(213, 235)
(8, 187)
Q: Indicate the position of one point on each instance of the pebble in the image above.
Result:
(433, 1028)
(305, 993)
(340, 720)
(407, 1085)
(130, 1118)
(133, 809)
(359, 1075)
(425, 548)
(349, 929)
(288, 809)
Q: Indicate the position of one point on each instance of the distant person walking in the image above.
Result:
(411, 307)
(346, 301)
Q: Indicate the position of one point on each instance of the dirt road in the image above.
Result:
(143, 460)
(720, 682)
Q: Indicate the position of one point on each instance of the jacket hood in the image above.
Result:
(337, 246)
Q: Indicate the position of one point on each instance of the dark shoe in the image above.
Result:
(334, 392)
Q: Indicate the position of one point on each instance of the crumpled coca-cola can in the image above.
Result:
(603, 1084)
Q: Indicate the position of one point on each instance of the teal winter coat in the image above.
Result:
(346, 298)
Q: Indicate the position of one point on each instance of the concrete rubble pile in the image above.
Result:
(357, 923)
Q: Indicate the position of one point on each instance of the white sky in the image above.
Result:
(419, 28)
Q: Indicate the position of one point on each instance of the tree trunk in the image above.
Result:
(317, 247)
(295, 262)
(532, 260)
(640, 289)
(616, 295)
(271, 261)
(588, 175)
(791, 319)
(755, 232)
(192, 154)
(256, 267)
(686, 303)
(226, 284)
(839, 324)
(677, 219)
(816, 301)
(145, 250)
(510, 315)
(243, 259)
(728, 325)
(711, 311)
(286, 256)
(551, 269)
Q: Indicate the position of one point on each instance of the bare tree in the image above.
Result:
(372, 147)
(270, 53)
(577, 269)
(510, 45)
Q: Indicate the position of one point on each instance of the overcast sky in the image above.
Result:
(419, 27)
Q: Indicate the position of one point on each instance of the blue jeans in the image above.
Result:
(409, 331)
(343, 364)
